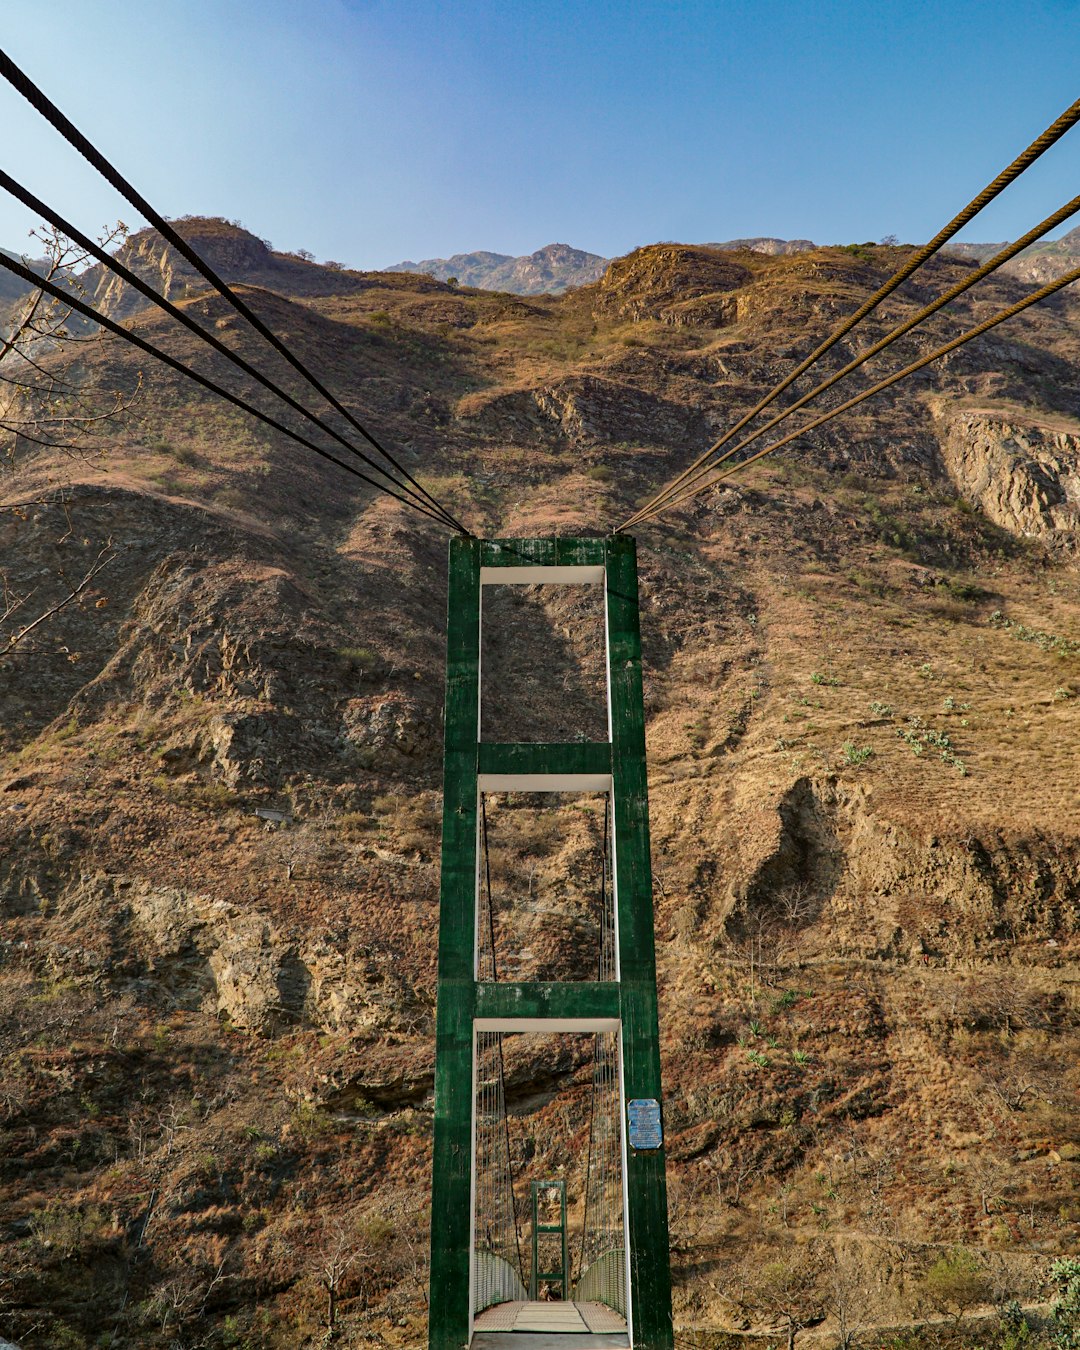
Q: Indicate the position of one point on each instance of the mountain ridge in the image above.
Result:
(556, 268)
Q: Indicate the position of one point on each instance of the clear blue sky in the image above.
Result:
(371, 131)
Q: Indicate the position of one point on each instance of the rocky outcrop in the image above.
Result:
(765, 244)
(233, 252)
(672, 283)
(186, 949)
(1024, 475)
(889, 892)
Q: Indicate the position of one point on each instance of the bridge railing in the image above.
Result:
(495, 1280)
(605, 1281)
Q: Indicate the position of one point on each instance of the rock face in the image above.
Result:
(1023, 475)
(773, 248)
(236, 254)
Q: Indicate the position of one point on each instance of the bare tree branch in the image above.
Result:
(106, 556)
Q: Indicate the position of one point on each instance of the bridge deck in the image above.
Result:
(549, 1326)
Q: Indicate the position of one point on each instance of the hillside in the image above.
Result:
(863, 703)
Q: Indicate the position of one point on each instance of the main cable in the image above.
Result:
(1039, 146)
(94, 250)
(81, 307)
(40, 101)
(1010, 251)
(982, 328)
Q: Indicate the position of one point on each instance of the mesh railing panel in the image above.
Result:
(605, 1281)
(495, 1280)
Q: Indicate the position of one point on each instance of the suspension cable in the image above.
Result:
(36, 205)
(1039, 146)
(887, 383)
(148, 347)
(1063, 213)
(45, 106)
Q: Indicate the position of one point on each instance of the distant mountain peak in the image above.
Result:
(549, 271)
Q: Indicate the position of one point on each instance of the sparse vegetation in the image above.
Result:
(857, 755)
(220, 836)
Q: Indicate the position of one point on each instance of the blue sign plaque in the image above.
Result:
(643, 1121)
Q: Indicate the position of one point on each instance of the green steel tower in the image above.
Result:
(626, 1005)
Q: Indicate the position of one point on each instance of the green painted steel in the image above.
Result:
(644, 1178)
(461, 999)
(543, 552)
(583, 1001)
(577, 757)
(451, 1192)
(537, 1276)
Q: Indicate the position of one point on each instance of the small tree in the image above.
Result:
(788, 1294)
(955, 1283)
(45, 402)
(340, 1254)
(846, 1296)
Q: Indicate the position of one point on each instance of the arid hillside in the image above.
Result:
(220, 792)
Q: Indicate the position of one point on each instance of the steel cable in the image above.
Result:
(1063, 213)
(40, 101)
(1041, 294)
(89, 312)
(1039, 146)
(35, 204)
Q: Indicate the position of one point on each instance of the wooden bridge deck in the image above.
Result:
(549, 1326)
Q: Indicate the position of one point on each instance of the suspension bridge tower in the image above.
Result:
(476, 1261)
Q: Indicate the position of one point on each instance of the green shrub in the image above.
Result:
(857, 755)
(63, 1230)
(361, 656)
(1065, 1278)
(1048, 642)
(955, 1282)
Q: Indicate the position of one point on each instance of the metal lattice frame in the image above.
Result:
(624, 1007)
